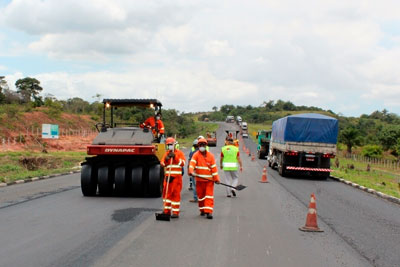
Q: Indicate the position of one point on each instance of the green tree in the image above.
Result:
(350, 137)
(3, 86)
(389, 136)
(372, 151)
(29, 88)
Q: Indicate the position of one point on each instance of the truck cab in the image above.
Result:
(263, 141)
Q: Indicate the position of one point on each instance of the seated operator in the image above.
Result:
(155, 124)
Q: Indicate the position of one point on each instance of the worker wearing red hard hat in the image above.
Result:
(173, 162)
(204, 169)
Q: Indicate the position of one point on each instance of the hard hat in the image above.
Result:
(195, 142)
(170, 141)
(200, 137)
(202, 141)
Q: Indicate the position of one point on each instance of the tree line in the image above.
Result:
(27, 96)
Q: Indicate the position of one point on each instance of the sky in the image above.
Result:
(193, 55)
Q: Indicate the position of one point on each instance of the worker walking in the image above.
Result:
(156, 125)
(192, 179)
(173, 162)
(230, 163)
(204, 169)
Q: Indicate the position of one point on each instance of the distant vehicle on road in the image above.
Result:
(244, 125)
(230, 119)
(263, 140)
(303, 143)
(211, 138)
(238, 120)
(245, 134)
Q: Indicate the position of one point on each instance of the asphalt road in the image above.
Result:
(50, 223)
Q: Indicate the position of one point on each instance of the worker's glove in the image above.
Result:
(170, 179)
(217, 182)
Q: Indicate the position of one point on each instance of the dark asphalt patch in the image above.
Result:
(126, 215)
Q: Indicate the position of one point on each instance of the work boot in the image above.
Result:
(209, 216)
(175, 216)
(202, 213)
(193, 200)
(234, 193)
(228, 195)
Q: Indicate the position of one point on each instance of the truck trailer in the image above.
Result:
(303, 144)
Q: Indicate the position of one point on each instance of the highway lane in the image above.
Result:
(54, 225)
(369, 224)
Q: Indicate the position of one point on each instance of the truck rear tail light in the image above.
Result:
(291, 153)
(328, 156)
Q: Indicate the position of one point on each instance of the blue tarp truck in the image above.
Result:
(303, 144)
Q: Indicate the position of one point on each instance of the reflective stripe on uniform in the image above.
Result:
(192, 160)
(209, 197)
(167, 207)
(167, 200)
(229, 164)
(215, 165)
(203, 176)
(201, 168)
(177, 210)
(174, 166)
(203, 208)
(215, 173)
(175, 203)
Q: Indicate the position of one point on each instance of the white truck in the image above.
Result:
(303, 144)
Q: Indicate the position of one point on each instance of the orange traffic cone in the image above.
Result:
(253, 158)
(311, 221)
(264, 176)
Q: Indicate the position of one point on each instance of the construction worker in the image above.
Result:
(201, 137)
(230, 163)
(155, 124)
(173, 162)
(204, 169)
(192, 180)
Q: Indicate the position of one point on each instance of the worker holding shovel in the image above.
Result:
(173, 161)
(204, 169)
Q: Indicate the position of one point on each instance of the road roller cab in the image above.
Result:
(125, 159)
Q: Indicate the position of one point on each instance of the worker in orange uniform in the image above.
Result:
(204, 169)
(173, 162)
(155, 124)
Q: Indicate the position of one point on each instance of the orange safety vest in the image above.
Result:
(151, 123)
(203, 166)
(178, 162)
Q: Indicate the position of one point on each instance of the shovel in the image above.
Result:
(238, 187)
(163, 216)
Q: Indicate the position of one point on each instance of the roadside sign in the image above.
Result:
(50, 131)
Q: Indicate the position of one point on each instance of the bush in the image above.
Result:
(372, 151)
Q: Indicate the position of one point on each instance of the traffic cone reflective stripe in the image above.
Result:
(264, 176)
(311, 221)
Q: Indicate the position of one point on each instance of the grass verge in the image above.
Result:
(384, 180)
(22, 165)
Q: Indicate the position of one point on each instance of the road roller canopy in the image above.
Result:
(151, 103)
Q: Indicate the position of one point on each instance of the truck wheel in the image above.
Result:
(88, 181)
(121, 184)
(281, 167)
(106, 182)
(155, 181)
(136, 178)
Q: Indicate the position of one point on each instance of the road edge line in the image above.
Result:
(368, 190)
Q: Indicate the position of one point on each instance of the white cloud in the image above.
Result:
(339, 55)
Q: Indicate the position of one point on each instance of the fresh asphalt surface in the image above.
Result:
(50, 223)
